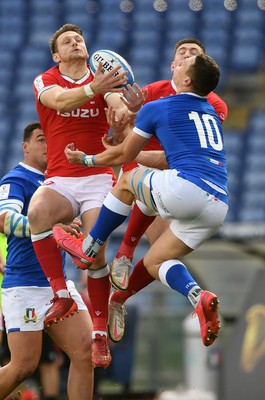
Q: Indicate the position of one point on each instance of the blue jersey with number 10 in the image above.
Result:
(190, 133)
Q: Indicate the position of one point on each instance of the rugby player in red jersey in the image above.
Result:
(70, 102)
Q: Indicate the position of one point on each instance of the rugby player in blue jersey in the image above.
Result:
(26, 292)
(192, 192)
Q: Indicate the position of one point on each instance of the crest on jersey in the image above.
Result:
(4, 191)
(30, 315)
(38, 83)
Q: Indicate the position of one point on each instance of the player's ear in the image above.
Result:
(187, 82)
(56, 57)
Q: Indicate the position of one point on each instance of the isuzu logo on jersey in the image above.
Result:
(81, 112)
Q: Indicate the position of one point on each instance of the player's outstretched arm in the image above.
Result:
(63, 100)
(153, 159)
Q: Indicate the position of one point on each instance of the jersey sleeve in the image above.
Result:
(12, 195)
(146, 120)
(219, 105)
(43, 82)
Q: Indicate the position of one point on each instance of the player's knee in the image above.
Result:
(152, 268)
(82, 355)
(37, 217)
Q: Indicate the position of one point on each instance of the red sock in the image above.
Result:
(50, 259)
(139, 279)
(138, 223)
(98, 292)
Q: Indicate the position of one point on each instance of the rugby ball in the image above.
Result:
(111, 60)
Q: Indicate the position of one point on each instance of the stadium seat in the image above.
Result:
(249, 35)
(143, 74)
(35, 56)
(257, 122)
(143, 56)
(145, 20)
(222, 37)
(43, 8)
(249, 17)
(87, 22)
(141, 6)
(118, 41)
(172, 36)
(181, 18)
(216, 19)
(182, 5)
(6, 75)
(24, 90)
(15, 39)
(251, 214)
(246, 57)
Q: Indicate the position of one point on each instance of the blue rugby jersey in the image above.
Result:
(22, 266)
(190, 133)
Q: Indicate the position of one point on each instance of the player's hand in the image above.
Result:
(73, 228)
(108, 82)
(108, 141)
(118, 125)
(72, 155)
(133, 97)
(76, 226)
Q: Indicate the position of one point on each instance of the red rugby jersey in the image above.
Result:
(84, 126)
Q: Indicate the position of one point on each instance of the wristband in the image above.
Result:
(89, 91)
(88, 161)
(132, 113)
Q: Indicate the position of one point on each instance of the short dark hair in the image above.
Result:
(28, 130)
(64, 28)
(189, 40)
(205, 74)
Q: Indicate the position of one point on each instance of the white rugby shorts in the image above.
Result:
(84, 193)
(24, 307)
(196, 215)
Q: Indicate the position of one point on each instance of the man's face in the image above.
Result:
(180, 75)
(186, 50)
(35, 151)
(71, 46)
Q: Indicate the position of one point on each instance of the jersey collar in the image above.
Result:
(78, 81)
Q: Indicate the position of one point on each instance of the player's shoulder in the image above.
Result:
(219, 105)
(213, 96)
(20, 174)
(13, 173)
(158, 90)
(158, 84)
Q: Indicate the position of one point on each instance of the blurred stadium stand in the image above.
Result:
(146, 37)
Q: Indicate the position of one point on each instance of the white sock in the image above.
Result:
(194, 295)
(63, 293)
(101, 333)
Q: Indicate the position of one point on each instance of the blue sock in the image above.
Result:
(106, 223)
(112, 214)
(175, 275)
